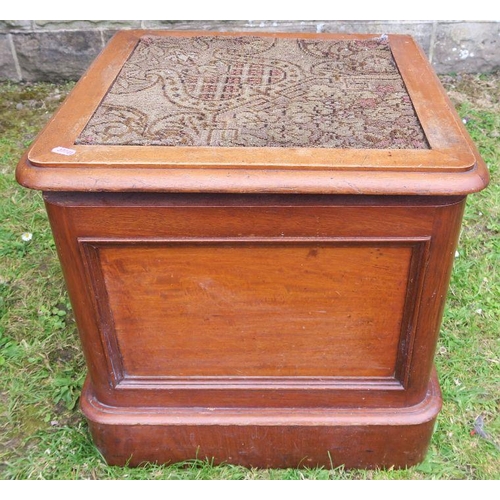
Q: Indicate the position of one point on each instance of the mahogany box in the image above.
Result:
(257, 233)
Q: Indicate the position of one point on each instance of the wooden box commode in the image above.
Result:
(257, 233)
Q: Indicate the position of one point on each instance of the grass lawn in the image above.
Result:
(43, 434)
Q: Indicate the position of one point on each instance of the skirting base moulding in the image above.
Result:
(257, 233)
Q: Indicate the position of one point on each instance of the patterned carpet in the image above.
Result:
(255, 91)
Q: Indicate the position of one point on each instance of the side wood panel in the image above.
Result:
(416, 238)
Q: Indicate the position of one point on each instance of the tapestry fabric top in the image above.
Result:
(250, 91)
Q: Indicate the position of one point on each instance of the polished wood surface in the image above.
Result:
(256, 308)
(260, 437)
(116, 250)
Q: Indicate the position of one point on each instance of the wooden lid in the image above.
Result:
(267, 112)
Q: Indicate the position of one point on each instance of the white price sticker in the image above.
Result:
(64, 151)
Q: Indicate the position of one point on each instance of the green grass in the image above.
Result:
(44, 436)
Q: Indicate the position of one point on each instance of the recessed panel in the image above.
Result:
(256, 309)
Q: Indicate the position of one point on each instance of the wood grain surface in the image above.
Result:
(151, 275)
(257, 309)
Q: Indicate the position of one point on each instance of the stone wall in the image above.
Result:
(62, 50)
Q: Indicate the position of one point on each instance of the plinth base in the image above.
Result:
(264, 437)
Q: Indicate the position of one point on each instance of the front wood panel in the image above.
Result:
(88, 226)
(255, 308)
